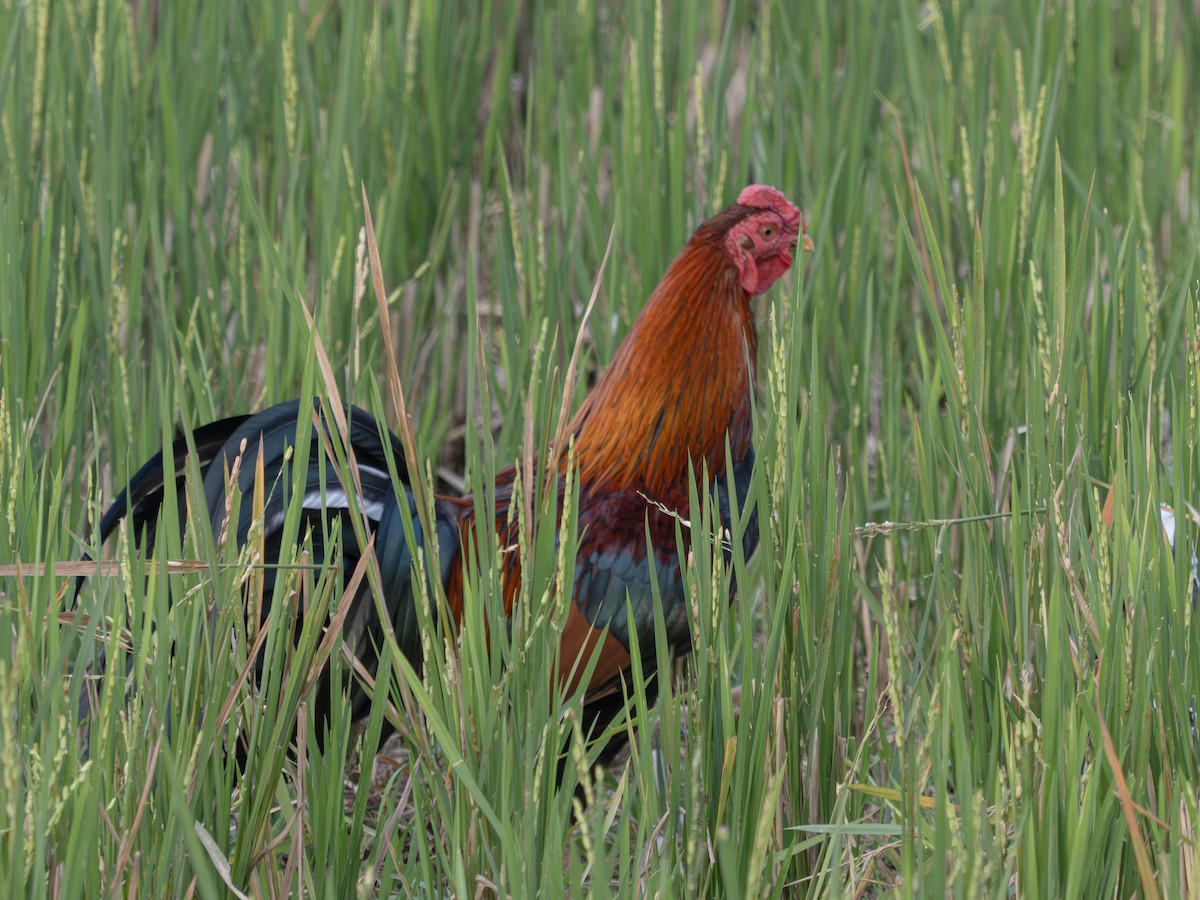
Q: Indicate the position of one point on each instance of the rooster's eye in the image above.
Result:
(768, 231)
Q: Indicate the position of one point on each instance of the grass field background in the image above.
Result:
(953, 677)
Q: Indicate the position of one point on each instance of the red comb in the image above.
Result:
(762, 196)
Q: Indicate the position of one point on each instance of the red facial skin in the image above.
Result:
(761, 245)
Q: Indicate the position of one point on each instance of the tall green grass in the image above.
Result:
(943, 672)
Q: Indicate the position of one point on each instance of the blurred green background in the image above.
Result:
(991, 691)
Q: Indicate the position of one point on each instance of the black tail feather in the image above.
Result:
(142, 499)
(264, 440)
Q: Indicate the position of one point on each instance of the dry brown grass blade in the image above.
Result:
(125, 854)
(87, 568)
(275, 843)
(384, 843)
(327, 376)
(1109, 512)
(334, 631)
(293, 868)
(337, 409)
(395, 388)
(368, 679)
(1189, 862)
(254, 593)
(243, 677)
(1129, 808)
(573, 366)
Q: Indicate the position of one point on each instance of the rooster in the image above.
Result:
(676, 394)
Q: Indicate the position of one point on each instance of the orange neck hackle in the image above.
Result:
(682, 379)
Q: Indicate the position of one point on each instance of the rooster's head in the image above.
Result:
(761, 243)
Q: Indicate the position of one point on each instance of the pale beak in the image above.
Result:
(807, 243)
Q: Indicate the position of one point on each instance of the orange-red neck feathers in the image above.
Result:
(680, 381)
